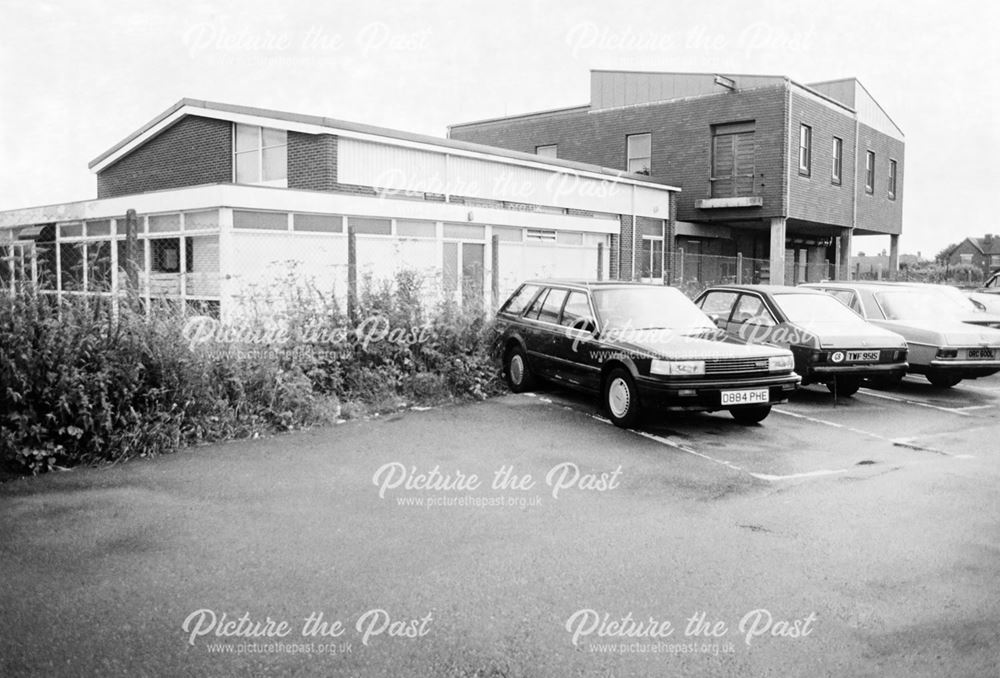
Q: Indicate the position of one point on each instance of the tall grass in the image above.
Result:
(80, 384)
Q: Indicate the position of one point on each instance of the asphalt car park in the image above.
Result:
(873, 516)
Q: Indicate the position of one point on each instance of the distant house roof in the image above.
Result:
(989, 244)
(318, 124)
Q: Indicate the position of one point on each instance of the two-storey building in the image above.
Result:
(769, 168)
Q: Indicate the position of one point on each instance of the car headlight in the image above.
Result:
(677, 368)
(780, 363)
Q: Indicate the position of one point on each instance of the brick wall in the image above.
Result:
(876, 211)
(626, 253)
(312, 161)
(681, 142)
(193, 151)
(815, 197)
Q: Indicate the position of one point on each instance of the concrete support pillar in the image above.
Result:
(778, 251)
(803, 266)
(893, 256)
(845, 255)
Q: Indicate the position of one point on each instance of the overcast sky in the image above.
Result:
(76, 77)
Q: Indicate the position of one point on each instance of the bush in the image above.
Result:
(81, 384)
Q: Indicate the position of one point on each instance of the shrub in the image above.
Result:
(80, 383)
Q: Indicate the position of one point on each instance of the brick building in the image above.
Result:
(769, 168)
(230, 199)
(983, 253)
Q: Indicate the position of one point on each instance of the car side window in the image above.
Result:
(751, 310)
(848, 298)
(993, 282)
(718, 303)
(536, 305)
(552, 306)
(576, 313)
(515, 305)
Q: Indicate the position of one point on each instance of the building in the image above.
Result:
(983, 253)
(230, 200)
(770, 169)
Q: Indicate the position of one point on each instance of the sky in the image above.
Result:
(76, 77)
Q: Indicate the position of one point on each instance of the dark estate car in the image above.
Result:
(832, 344)
(638, 346)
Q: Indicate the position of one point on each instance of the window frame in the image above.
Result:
(554, 147)
(281, 182)
(837, 168)
(629, 158)
(805, 150)
(893, 168)
(869, 171)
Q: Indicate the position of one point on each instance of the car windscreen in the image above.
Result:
(815, 308)
(916, 305)
(648, 308)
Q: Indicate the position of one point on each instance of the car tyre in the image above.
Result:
(750, 414)
(844, 386)
(516, 371)
(621, 399)
(943, 380)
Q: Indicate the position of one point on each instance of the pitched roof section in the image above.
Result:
(312, 124)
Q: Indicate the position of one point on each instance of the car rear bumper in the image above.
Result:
(966, 369)
(706, 395)
(824, 372)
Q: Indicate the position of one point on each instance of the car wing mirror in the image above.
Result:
(718, 320)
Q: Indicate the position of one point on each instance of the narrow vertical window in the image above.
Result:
(838, 160)
(870, 172)
(638, 152)
(805, 150)
(892, 180)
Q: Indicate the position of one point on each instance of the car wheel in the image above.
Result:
(516, 371)
(844, 386)
(621, 399)
(943, 380)
(750, 414)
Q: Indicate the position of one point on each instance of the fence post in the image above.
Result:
(131, 251)
(352, 273)
(600, 261)
(495, 270)
(739, 268)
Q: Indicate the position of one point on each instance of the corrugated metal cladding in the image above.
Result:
(365, 163)
(612, 89)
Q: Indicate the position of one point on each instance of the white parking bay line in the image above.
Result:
(920, 403)
(898, 442)
(722, 462)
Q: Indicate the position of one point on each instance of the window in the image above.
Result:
(751, 310)
(370, 226)
(994, 260)
(638, 152)
(552, 306)
(536, 234)
(576, 312)
(718, 303)
(838, 160)
(319, 223)
(870, 172)
(733, 163)
(260, 221)
(892, 180)
(167, 255)
(805, 150)
(260, 155)
(550, 151)
(519, 299)
(965, 258)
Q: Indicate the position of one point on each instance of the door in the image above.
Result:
(576, 347)
(751, 320)
(463, 272)
(651, 259)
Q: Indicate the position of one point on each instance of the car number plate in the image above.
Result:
(981, 353)
(748, 397)
(863, 356)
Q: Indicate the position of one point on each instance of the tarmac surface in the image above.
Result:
(856, 537)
